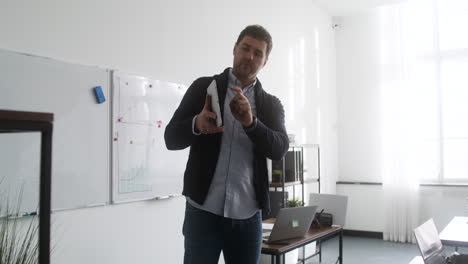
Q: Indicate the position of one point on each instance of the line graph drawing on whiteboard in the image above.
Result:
(134, 151)
(134, 180)
(142, 166)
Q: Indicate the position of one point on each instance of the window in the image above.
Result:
(450, 59)
(424, 75)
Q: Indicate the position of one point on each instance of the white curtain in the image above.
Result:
(409, 114)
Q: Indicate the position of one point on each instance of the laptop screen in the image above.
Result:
(292, 222)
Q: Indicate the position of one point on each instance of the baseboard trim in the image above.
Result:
(359, 233)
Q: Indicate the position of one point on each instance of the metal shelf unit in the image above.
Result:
(298, 170)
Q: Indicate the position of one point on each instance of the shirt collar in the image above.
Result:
(233, 79)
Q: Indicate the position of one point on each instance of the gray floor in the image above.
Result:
(370, 250)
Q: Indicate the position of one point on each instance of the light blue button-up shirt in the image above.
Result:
(232, 192)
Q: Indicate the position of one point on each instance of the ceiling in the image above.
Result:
(349, 7)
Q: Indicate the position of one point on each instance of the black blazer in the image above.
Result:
(269, 138)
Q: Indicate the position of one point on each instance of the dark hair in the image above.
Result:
(257, 32)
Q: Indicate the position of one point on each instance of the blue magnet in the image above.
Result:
(99, 95)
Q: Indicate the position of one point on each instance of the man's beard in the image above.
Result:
(244, 69)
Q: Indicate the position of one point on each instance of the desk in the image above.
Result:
(278, 250)
(455, 233)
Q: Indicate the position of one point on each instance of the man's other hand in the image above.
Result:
(240, 108)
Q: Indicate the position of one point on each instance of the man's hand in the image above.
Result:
(240, 108)
(204, 122)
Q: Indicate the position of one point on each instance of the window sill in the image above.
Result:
(421, 184)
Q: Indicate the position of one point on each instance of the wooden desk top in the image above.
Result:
(286, 245)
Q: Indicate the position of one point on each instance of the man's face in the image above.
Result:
(249, 58)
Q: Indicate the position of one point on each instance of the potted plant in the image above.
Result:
(294, 202)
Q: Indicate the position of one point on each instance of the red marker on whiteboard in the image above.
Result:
(159, 122)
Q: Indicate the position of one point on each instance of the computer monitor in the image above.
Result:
(331, 203)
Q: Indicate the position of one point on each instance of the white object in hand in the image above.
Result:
(213, 91)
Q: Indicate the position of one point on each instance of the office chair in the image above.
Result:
(427, 238)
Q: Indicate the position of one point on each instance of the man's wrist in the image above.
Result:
(252, 125)
(194, 126)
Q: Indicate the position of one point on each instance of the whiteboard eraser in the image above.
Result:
(99, 95)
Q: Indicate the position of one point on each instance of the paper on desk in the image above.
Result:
(267, 226)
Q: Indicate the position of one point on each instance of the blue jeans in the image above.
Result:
(207, 234)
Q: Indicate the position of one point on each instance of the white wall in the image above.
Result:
(176, 41)
(357, 52)
(141, 232)
(366, 211)
(358, 81)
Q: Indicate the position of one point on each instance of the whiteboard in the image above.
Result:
(143, 168)
(81, 148)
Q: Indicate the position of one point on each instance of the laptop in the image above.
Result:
(291, 223)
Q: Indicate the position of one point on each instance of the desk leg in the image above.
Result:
(278, 259)
(320, 251)
(272, 259)
(303, 255)
(341, 247)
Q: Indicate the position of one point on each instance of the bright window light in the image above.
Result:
(453, 19)
(424, 53)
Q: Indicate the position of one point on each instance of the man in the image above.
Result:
(226, 178)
